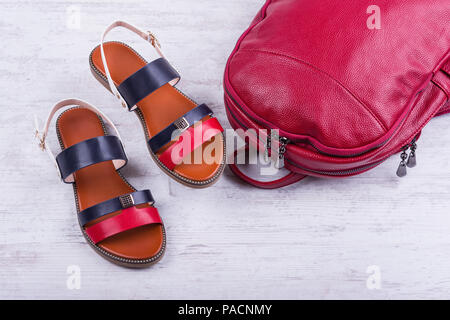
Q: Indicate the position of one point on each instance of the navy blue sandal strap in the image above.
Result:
(165, 136)
(115, 204)
(146, 35)
(41, 134)
(89, 152)
(147, 80)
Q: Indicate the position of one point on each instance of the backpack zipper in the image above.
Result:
(228, 94)
(283, 148)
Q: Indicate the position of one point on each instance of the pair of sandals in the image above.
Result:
(119, 222)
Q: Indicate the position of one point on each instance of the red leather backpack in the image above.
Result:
(346, 84)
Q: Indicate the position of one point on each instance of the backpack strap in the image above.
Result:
(289, 179)
(147, 79)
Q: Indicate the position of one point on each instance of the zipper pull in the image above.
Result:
(268, 146)
(412, 162)
(401, 171)
(281, 151)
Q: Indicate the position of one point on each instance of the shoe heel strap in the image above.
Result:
(41, 134)
(146, 35)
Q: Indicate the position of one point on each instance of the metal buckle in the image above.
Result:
(181, 124)
(41, 142)
(153, 40)
(126, 201)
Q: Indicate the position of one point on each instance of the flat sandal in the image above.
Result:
(119, 222)
(177, 129)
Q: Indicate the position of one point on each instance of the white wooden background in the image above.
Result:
(312, 240)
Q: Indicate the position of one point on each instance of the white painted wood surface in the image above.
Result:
(312, 240)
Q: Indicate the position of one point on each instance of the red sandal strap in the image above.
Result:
(174, 155)
(130, 218)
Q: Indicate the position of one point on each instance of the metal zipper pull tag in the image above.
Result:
(266, 155)
(268, 146)
(412, 161)
(279, 164)
(402, 171)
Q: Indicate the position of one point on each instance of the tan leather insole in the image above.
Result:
(101, 182)
(160, 108)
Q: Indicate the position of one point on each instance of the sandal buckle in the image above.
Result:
(126, 201)
(41, 140)
(153, 40)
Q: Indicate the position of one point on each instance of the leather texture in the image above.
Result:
(346, 96)
(165, 136)
(89, 152)
(130, 218)
(109, 206)
(146, 80)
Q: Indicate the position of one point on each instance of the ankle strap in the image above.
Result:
(148, 36)
(41, 134)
